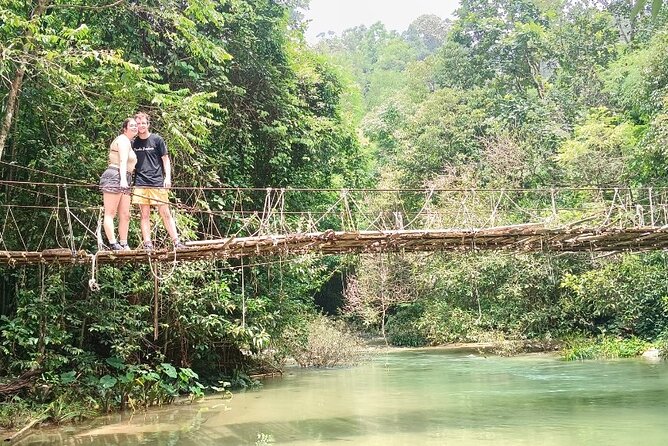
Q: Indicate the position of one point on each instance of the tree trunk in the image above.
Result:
(12, 100)
(15, 89)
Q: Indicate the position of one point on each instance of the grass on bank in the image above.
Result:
(603, 347)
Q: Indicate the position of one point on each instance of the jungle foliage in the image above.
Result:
(242, 102)
(507, 94)
(513, 94)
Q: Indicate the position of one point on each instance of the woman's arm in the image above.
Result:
(124, 147)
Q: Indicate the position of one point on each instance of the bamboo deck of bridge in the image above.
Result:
(521, 238)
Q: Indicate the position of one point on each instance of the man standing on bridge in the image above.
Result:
(153, 178)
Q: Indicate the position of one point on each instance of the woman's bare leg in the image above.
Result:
(110, 208)
(124, 217)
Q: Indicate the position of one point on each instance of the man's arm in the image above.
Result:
(167, 165)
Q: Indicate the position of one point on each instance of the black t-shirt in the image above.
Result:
(149, 171)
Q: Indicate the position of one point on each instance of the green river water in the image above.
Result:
(414, 397)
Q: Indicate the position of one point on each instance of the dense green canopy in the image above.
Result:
(505, 94)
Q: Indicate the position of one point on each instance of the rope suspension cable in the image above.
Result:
(282, 212)
(607, 221)
(468, 191)
(329, 210)
(276, 207)
(427, 200)
(522, 209)
(155, 274)
(492, 218)
(46, 228)
(98, 229)
(372, 224)
(56, 209)
(2, 232)
(87, 227)
(81, 183)
(42, 172)
(345, 209)
(56, 198)
(69, 221)
(18, 230)
(44, 208)
(266, 211)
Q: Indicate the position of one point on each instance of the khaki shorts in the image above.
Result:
(154, 196)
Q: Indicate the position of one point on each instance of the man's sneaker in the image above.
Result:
(116, 247)
(148, 246)
(179, 245)
(125, 247)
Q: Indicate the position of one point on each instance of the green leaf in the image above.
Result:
(107, 382)
(640, 4)
(68, 377)
(656, 6)
(116, 363)
(169, 370)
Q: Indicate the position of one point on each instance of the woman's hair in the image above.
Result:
(126, 122)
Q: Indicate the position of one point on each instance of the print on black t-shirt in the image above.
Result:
(149, 171)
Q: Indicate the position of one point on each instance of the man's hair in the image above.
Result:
(143, 115)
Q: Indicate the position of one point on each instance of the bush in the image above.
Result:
(442, 323)
(16, 412)
(402, 327)
(603, 347)
(662, 344)
(323, 342)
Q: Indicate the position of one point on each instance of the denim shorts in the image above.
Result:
(110, 181)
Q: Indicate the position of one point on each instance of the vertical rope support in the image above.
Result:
(92, 283)
(266, 213)
(628, 209)
(98, 230)
(651, 207)
(382, 273)
(41, 344)
(282, 214)
(344, 205)
(349, 214)
(492, 215)
(243, 295)
(476, 293)
(2, 231)
(640, 216)
(612, 206)
(554, 205)
(156, 286)
(69, 220)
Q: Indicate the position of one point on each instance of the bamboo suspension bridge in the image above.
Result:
(62, 226)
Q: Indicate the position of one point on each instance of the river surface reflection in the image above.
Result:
(415, 397)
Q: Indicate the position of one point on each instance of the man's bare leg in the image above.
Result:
(168, 220)
(145, 223)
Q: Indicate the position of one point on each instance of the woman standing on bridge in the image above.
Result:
(115, 184)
